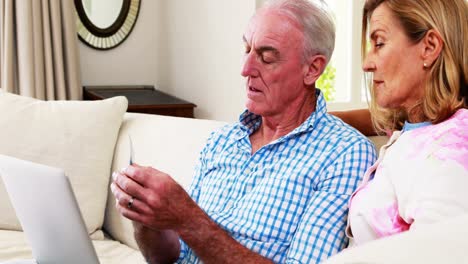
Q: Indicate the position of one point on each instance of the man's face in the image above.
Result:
(273, 64)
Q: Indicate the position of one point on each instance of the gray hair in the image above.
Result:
(316, 22)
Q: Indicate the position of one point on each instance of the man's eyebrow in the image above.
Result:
(263, 49)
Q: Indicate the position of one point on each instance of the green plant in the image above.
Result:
(326, 83)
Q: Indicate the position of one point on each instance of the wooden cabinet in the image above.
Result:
(142, 99)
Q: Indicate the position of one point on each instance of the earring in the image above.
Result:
(425, 65)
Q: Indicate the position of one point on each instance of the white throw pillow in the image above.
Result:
(77, 136)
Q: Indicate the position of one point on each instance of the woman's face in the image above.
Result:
(395, 61)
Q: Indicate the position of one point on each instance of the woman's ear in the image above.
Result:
(314, 68)
(432, 47)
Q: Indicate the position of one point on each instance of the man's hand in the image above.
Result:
(162, 211)
(158, 201)
(155, 203)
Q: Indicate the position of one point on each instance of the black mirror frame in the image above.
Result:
(112, 36)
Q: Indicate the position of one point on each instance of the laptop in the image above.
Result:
(48, 212)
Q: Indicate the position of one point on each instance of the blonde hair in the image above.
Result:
(446, 87)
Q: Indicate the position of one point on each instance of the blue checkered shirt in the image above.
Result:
(289, 200)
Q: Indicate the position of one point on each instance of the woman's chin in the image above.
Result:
(384, 103)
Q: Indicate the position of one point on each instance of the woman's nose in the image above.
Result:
(368, 64)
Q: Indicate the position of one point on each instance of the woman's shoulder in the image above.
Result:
(460, 116)
(456, 125)
(447, 140)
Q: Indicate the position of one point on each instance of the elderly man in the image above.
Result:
(273, 187)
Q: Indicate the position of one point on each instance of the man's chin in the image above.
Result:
(253, 107)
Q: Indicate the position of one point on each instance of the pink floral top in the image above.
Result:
(421, 177)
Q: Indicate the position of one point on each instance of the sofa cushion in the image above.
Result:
(77, 136)
(13, 245)
(379, 141)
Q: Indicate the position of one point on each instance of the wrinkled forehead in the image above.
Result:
(382, 18)
(272, 24)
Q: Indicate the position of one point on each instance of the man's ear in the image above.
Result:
(314, 68)
(432, 47)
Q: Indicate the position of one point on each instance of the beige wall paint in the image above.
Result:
(191, 49)
(133, 62)
(201, 54)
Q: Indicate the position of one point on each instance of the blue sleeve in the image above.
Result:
(321, 232)
(200, 168)
(195, 186)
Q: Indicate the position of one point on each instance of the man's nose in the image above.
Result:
(250, 67)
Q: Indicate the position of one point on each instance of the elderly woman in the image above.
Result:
(417, 54)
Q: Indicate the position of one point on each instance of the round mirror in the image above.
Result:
(104, 24)
(102, 13)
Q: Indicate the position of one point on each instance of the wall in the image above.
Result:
(133, 62)
(201, 54)
(190, 49)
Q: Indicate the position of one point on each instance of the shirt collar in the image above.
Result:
(410, 126)
(250, 122)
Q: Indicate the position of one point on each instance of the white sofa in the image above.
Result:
(31, 129)
(171, 144)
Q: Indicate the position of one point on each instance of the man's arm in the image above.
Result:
(161, 204)
(214, 245)
(157, 246)
(321, 231)
(359, 119)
